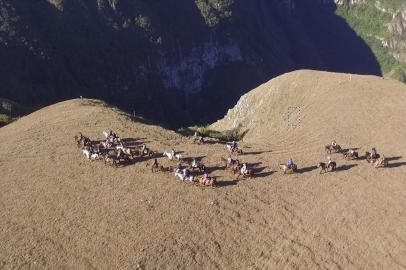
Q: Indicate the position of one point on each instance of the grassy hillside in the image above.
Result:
(371, 20)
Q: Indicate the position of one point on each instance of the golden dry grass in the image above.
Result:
(60, 211)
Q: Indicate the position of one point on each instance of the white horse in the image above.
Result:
(125, 150)
(90, 155)
(181, 174)
(172, 155)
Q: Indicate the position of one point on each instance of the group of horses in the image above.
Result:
(114, 151)
(377, 161)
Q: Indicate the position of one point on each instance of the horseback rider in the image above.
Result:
(234, 146)
(244, 169)
(333, 144)
(329, 161)
(290, 163)
(194, 163)
(144, 148)
(373, 153)
(206, 177)
(173, 152)
(186, 173)
(351, 151)
(230, 161)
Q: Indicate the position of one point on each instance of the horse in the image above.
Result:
(370, 159)
(286, 170)
(140, 151)
(82, 141)
(210, 182)
(329, 148)
(199, 166)
(171, 156)
(348, 155)
(182, 175)
(161, 168)
(332, 165)
(323, 167)
(237, 150)
(78, 139)
(248, 173)
(125, 150)
(198, 140)
(108, 157)
(381, 162)
(233, 167)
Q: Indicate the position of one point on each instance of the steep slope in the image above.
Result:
(313, 107)
(60, 211)
(167, 60)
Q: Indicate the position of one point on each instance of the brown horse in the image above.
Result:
(249, 173)
(111, 158)
(198, 140)
(323, 167)
(146, 152)
(348, 155)
(82, 141)
(381, 162)
(369, 158)
(329, 148)
(287, 170)
(234, 167)
(211, 182)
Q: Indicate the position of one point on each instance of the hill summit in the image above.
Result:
(311, 107)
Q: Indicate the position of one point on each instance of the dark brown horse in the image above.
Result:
(324, 168)
(369, 158)
(348, 155)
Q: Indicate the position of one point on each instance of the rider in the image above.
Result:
(290, 163)
(351, 151)
(373, 153)
(244, 168)
(333, 143)
(196, 134)
(143, 148)
(329, 161)
(194, 163)
(229, 160)
(206, 178)
(186, 173)
(234, 146)
(173, 152)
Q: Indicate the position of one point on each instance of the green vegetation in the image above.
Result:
(10, 111)
(370, 23)
(5, 119)
(213, 11)
(205, 131)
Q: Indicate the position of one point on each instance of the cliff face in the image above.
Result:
(177, 62)
(382, 24)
